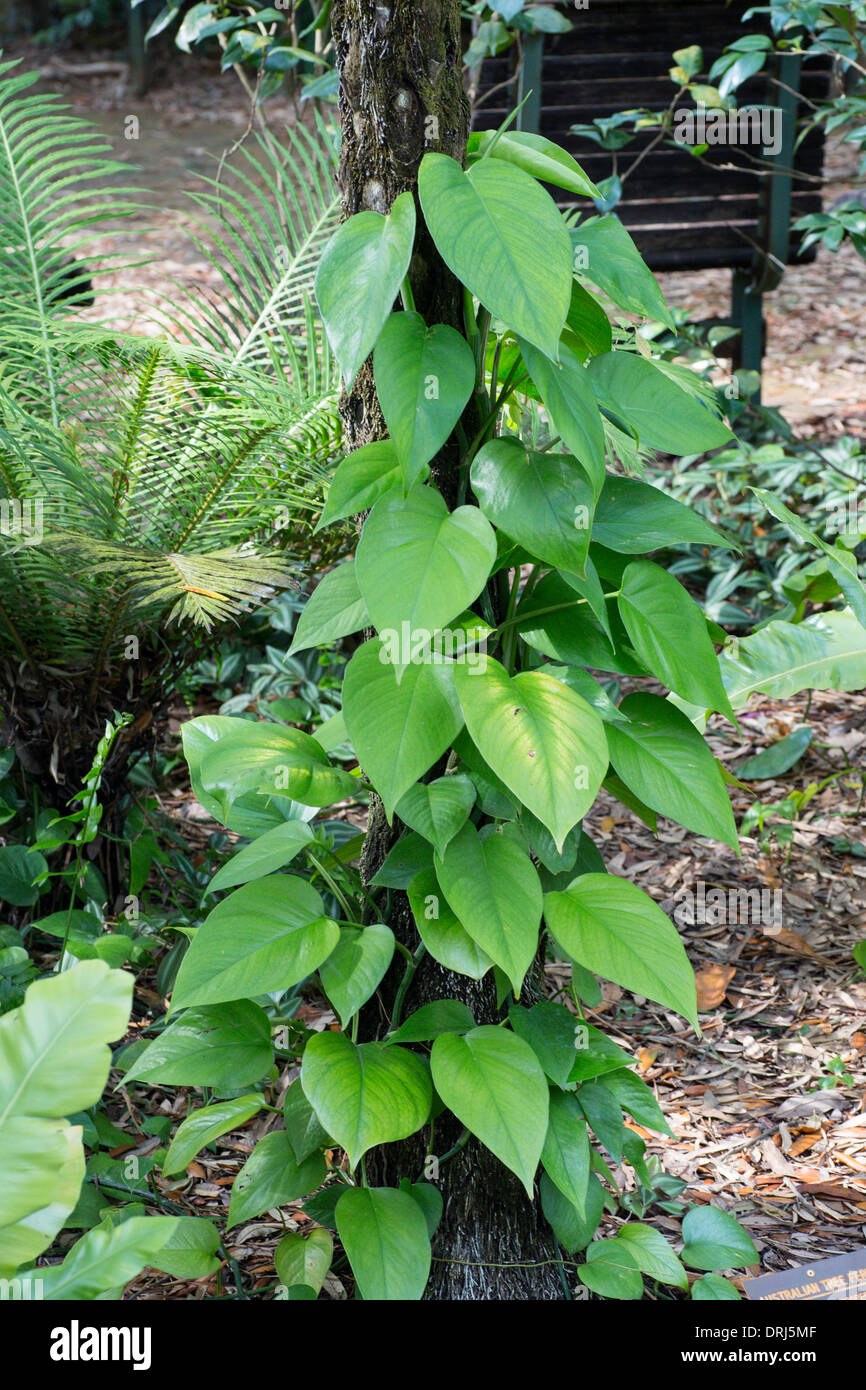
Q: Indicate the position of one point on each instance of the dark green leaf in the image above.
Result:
(220, 1045)
(714, 1240)
(493, 1083)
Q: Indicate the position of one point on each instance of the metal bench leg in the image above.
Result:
(139, 73)
(748, 315)
(529, 83)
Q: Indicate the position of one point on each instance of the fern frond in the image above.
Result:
(175, 477)
(49, 164)
(263, 227)
(202, 589)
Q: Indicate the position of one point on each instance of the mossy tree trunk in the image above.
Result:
(401, 94)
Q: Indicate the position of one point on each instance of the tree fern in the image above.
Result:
(143, 450)
(270, 217)
(176, 477)
(248, 479)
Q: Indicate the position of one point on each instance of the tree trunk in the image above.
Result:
(54, 721)
(401, 94)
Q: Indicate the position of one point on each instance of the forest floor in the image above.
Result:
(768, 1108)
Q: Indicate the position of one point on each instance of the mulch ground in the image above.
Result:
(764, 1125)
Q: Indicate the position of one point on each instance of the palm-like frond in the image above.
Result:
(172, 476)
(111, 542)
(263, 225)
(51, 168)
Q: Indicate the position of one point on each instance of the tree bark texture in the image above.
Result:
(401, 94)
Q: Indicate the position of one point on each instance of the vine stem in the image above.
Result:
(455, 1148)
(510, 384)
(371, 901)
(400, 997)
(510, 646)
(92, 783)
(337, 892)
(562, 1279)
(554, 608)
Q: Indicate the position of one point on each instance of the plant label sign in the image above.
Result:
(843, 1277)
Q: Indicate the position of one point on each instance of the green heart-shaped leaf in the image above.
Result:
(265, 936)
(493, 889)
(359, 276)
(445, 937)
(420, 565)
(75, 1013)
(424, 377)
(544, 741)
(224, 1045)
(401, 719)
(612, 927)
(537, 156)
(632, 517)
(438, 809)
(566, 1149)
(302, 1126)
(273, 850)
(542, 501)
(206, 1124)
(504, 238)
(334, 609)
(273, 759)
(493, 1083)
(360, 480)
(653, 1255)
(356, 966)
(664, 415)
(271, 1177)
(713, 1288)
(365, 1095)
(611, 1271)
(714, 1240)
(571, 404)
(304, 1259)
(606, 254)
(669, 633)
(384, 1234)
(431, 1020)
(662, 758)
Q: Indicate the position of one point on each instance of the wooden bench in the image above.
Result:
(726, 211)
